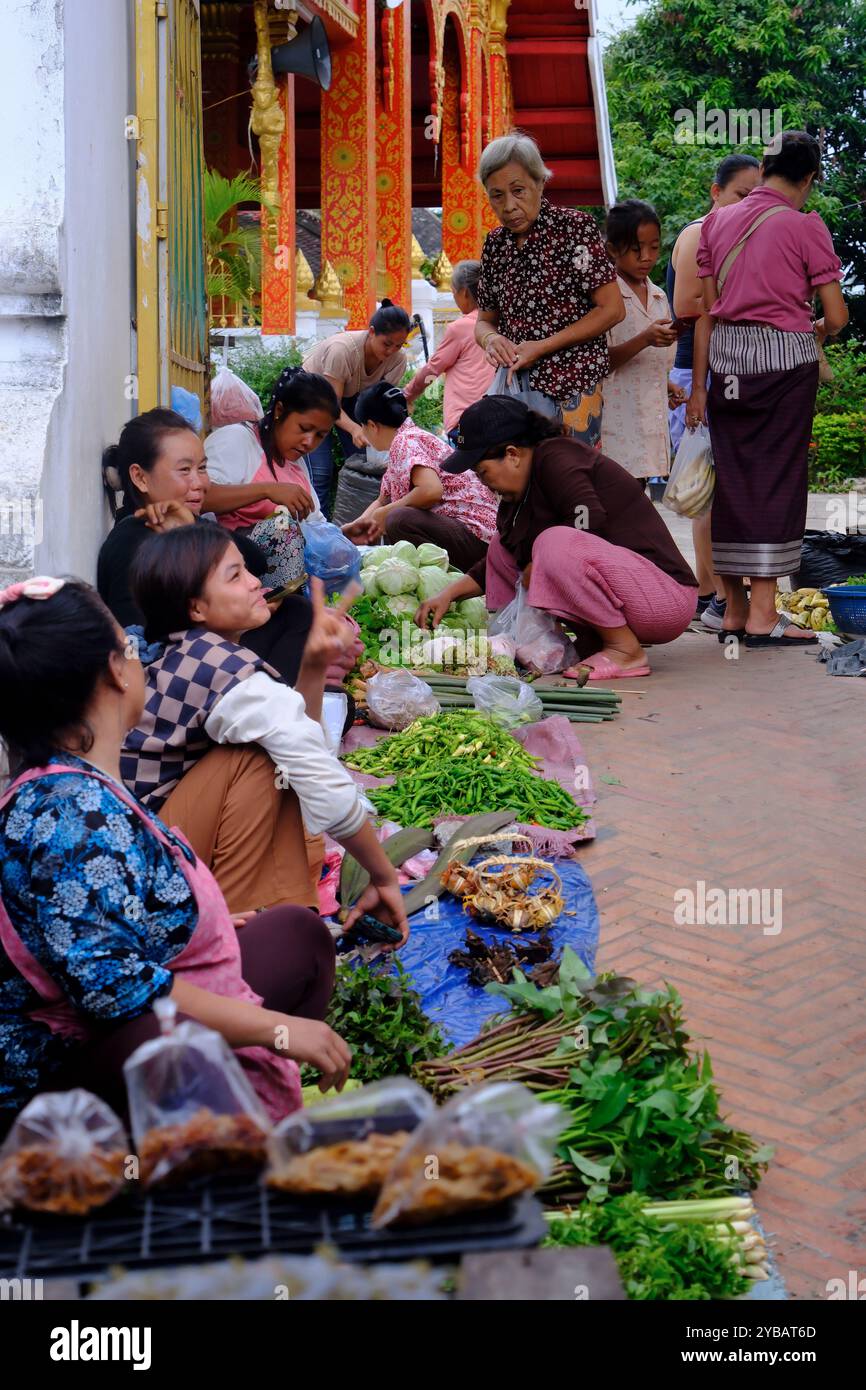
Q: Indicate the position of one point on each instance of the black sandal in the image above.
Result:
(776, 636)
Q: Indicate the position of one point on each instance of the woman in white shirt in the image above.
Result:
(224, 748)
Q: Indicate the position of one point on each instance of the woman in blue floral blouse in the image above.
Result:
(102, 909)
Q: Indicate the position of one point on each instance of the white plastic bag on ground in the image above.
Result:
(395, 699)
(506, 699)
(692, 480)
(540, 643)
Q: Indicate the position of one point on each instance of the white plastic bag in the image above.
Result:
(335, 710)
(540, 643)
(692, 480)
(191, 1108)
(506, 699)
(395, 699)
(66, 1153)
(232, 401)
(486, 1145)
(520, 390)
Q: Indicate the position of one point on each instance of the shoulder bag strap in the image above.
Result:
(735, 250)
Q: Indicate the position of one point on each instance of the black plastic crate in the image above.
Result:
(219, 1216)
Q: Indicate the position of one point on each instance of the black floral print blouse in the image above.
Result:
(546, 285)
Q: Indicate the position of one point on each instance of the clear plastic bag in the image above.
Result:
(335, 710)
(540, 643)
(506, 699)
(329, 555)
(692, 481)
(395, 699)
(191, 1108)
(521, 390)
(65, 1153)
(345, 1146)
(487, 1144)
(231, 400)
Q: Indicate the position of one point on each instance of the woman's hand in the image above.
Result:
(696, 407)
(359, 439)
(525, 355)
(362, 530)
(311, 1041)
(293, 497)
(165, 516)
(499, 350)
(660, 334)
(432, 611)
(384, 901)
(330, 638)
(676, 395)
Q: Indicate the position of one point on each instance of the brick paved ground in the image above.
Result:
(749, 774)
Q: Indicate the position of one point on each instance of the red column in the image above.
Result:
(462, 232)
(278, 260)
(394, 153)
(349, 169)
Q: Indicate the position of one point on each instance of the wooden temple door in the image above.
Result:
(172, 314)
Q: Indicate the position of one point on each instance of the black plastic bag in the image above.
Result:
(355, 492)
(829, 557)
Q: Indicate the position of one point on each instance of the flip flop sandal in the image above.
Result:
(738, 632)
(601, 668)
(776, 637)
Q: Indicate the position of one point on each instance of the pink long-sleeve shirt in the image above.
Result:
(467, 371)
(779, 268)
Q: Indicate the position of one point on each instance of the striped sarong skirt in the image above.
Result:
(761, 403)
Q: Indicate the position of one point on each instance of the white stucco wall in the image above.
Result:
(66, 274)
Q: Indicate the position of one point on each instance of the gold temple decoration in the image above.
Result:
(417, 258)
(381, 272)
(283, 26)
(268, 121)
(387, 32)
(498, 23)
(304, 281)
(442, 272)
(329, 292)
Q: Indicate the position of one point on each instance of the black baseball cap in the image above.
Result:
(490, 421)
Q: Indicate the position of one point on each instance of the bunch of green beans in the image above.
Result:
(463, 787)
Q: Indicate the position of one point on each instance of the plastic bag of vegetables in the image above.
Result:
(507, 700)
(692, 481)
(395, 699)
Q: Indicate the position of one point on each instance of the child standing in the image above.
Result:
(638, 392)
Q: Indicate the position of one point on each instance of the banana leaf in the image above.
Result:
(398, 847)
(431, 887)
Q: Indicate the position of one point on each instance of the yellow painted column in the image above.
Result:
(394, 155)
(349, 169)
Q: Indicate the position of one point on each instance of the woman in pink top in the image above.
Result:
(761, 262)
(467, 371)
(417, 502)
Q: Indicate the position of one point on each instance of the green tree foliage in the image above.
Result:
(807, 60)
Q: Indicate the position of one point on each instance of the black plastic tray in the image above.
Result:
(218, 1217)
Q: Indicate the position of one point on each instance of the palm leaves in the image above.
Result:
(233, 253)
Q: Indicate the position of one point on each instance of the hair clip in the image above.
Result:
(39, 587)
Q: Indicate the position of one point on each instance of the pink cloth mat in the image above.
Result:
(563, 761)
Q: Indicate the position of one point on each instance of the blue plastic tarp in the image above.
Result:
(459, 1007)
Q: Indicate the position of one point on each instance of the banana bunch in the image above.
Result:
(808, 607)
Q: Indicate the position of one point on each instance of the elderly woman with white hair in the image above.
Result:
(547, 293)
(467, 371)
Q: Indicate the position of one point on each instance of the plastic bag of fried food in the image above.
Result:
(191, 1107)
(66, 1153)
(345, 1147)
(487, 1144)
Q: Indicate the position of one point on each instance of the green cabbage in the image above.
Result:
(405, 550)
(402, 605)
(431, 581)
(368, 582)
(429, 554)
(395, 576)
(373, 558)
(475, 612)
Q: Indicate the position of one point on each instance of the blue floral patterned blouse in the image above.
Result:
(97, 900)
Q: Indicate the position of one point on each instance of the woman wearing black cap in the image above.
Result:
(578, 531)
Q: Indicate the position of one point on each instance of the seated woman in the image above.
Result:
(417, 502)
(159, 465)
(102, 908)
(259, 480)
(224, 748)
(590, 546)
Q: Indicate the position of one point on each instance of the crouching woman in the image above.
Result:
(103, 910)
(580, 533)
(224, 748)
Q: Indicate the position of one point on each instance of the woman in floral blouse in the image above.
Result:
(547, 293)
(103, 909)
(417, 502)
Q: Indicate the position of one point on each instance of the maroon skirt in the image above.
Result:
(760, 427)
